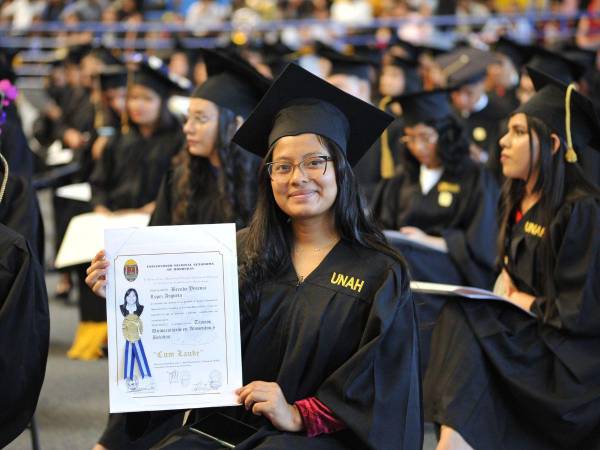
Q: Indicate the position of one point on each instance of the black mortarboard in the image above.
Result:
(299, 102)
(519, 54)
(556, 65)
(549, 104)
(580, 55)
(113, 77)
(232, 83)
(415, 51)
(153, 73)
(77, 53)
(342, 64)
(106, 55)
(412, 79)
(465, 65)
(424, 106)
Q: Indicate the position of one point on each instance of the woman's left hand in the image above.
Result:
(419, 235)
(267, 399)
(521, 299)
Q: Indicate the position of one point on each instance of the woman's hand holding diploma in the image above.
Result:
(96, 274)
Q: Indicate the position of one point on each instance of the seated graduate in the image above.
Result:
(212, 180)
(329, 335)
(24, 327)
(127, 177)
(499, 378)
(440, 197)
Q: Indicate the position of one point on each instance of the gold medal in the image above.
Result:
(445, 199)
(479, 134)
(132, 327)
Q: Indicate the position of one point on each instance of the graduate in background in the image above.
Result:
(329, 337)
(482, 112)
(440, 197)
(126, 179)
(499, 378)
(213, 180)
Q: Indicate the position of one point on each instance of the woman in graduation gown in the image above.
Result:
(213, 180)
(126, 179)
(498, 377)
(329, 337)
(440, 197)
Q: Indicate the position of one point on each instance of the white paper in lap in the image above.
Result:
(178, 347)
(85, 235)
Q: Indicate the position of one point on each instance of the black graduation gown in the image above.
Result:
(506, 380)
(129, 173)
(459, 208)
(24, 333)
(355, 348)
(20, 211)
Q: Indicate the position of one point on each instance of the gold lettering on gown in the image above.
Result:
(534, 229)
(347, 281)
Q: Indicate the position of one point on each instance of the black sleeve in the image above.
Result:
(24, 333)
(574, 305)
(473, 248)
(377, 392)
(100, 177)
(162, 214)
(385, 203)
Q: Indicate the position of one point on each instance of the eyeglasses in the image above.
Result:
(312, 167)
(429, 138)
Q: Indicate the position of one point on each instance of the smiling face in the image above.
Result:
(305, 194)
(131, 298)
(515, 156)
(201, 127)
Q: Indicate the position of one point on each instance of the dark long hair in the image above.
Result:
(266, 247)
(138, 308)
(557, 182)
(236, 181)
(452, 147)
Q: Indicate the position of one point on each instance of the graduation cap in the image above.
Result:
(153, 73)
(412, 79)
(424, 106)
(413, 51)
(76, 54)
(465, 65)
(556, 65)
(113, 77)
(232, 83)
(106, 55)
(519, 54)
(566, 111)
(299, 102)
(345, 64)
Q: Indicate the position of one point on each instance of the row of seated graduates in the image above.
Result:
(24, 316)
(481, 90)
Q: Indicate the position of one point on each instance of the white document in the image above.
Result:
(173, 317)
(57, 155)
(461, 291)
(393, 235)
(85, 235)
(78, 191)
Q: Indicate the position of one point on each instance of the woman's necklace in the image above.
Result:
(314, 251)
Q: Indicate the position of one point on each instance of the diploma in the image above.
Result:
(173, 317)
